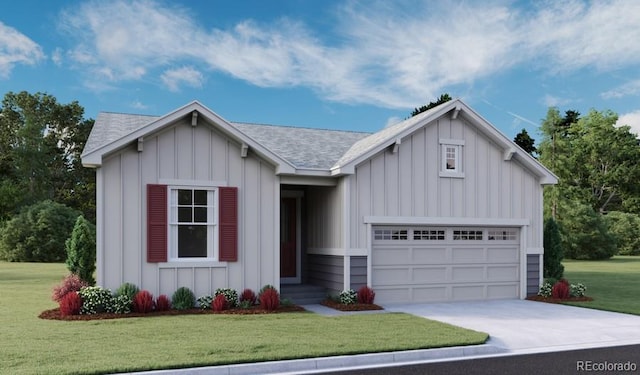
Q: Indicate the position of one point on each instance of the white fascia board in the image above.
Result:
(449, 221)
(308, 180)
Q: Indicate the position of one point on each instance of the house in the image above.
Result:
(439, 207)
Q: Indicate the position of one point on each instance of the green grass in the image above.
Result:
(613, 284)
(30, 345)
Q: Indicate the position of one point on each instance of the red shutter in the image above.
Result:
(156, 223)
(228, 224)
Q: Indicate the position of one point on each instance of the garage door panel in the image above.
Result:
(423, 275)
(393, 295)
(467, 273)
(467, 292)
(468, 255)
(502, 273)
(390, 276)
(502, 255)
(392, 256)
(502, 291)
(429, 294)
(422, 255)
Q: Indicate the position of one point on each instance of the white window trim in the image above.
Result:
(212, 224)
(458, 146)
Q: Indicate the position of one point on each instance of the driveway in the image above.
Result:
(528, 326)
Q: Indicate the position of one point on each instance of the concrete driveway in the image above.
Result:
(528, 326)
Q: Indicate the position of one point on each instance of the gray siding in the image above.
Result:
(407, 183)
(358, 272)
(325, 224)
(182, 154)
(326, 271)
(533, 274)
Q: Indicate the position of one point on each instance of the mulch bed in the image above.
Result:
(353, 307)
(54, 314)
(558, 300)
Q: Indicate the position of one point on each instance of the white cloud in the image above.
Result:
(629, 88)
(56, 56)
(632, 119)
(392, 121)
(555, 101)
(16, 48)
(389, 54)
(173, 78)
(138, 105)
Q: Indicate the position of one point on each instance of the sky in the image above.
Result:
(350, 65)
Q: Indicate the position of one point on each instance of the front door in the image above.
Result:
(289, 240)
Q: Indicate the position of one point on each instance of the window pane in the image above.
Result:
(192, 241)
(200, 197)
(184, 197)
(184, 214)
(200, 215)
(451, 158)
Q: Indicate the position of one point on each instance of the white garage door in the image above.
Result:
(428, 264)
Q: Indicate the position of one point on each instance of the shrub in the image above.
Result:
(286, 302)
(248, 295)
(553, 253)
(183, 299)
(269, 298)
(96, 300)
(230, 294)
(219, 302)
(71, 283)
(585, 235)
(205, 302)
(38, 233)
(162, 303)
(143, 302)
(127, 289)
(560, 289)
(81, 250)
(245, 304)
(70, 304)
(577, 290)
(545, 289)
(122, 304)
(625, 227)
(348, 297)
(366, 295)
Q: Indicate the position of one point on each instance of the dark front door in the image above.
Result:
(288, 239)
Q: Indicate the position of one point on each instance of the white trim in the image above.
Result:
(444, 221)
(190, 183)
(540, 270)
(100, 224)
(346, 274)
(337, 251)
(523, 262)
(369, 255)
(192, 264)
(212, 224)
(452, 142)
(308, 180)
(451, 174)
(535, 250)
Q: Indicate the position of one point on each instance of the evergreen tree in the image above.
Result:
(442, 99)
(553, 253)
(81, 250)
(524, 140)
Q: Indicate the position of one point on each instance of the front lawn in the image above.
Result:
(612, 283)
(34, 346)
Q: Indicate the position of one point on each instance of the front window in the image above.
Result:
(192, 223)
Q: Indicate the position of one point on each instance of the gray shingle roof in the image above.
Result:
(305, 148)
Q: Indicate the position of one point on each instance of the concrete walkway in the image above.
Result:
(514, 326)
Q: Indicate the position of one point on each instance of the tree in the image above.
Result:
(442, 99)
(553, 253)
(585, 235)
(525, 141)
(625, 227)
(38, 233)
(81, 250)
(40, 146)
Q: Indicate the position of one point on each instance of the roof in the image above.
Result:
(297, 150)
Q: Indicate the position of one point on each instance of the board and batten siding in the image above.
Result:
(183, 153)
(407, 183)
(325, 223)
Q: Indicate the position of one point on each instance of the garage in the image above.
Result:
(430, 264)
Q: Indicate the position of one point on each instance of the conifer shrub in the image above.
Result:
(81, 250)
(561, 289)
(71, 283)
(163, 303)
(183, 299)
(248, 296)
(269, 298)
(143, 302)
(70, 304)
(127, 289)
(366, 295)
(219, 303)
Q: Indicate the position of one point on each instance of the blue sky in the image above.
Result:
(356, 65)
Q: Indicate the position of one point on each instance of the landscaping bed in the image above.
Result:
(350, 307)
(55, 314)
(559, 300)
